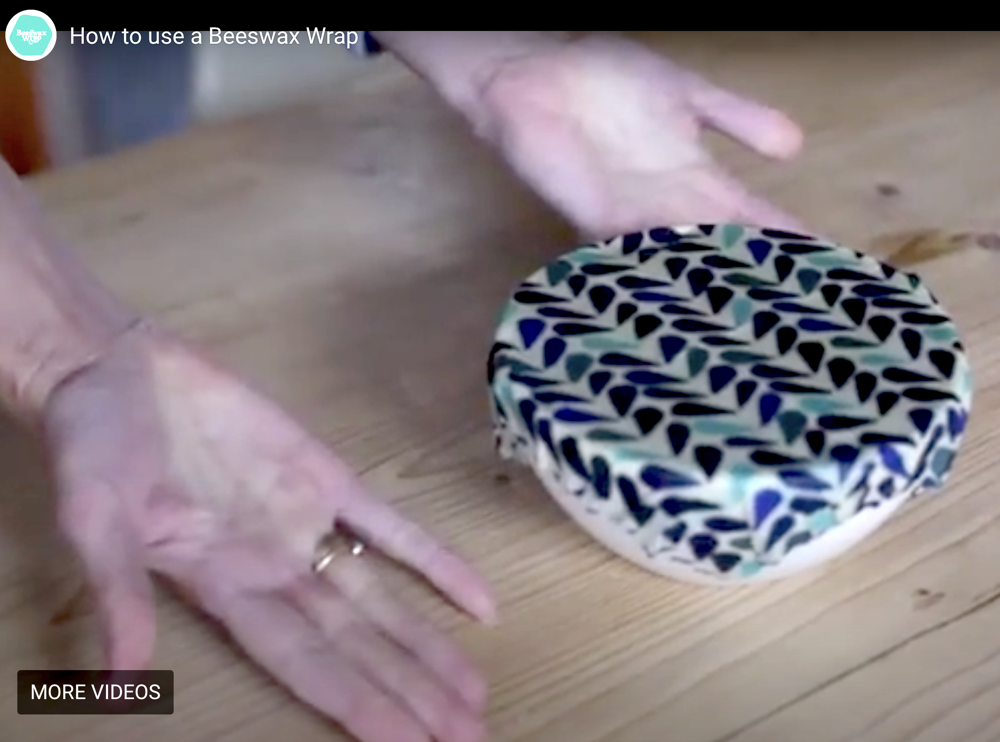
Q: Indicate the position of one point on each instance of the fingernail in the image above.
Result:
(475, 692)
(487, 616)
(486, 610)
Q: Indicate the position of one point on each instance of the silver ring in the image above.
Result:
(339, 541)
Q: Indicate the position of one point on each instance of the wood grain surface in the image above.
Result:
(349, 258)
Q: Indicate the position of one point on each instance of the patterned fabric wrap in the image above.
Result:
(707, 400)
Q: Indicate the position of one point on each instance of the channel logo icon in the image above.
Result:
(31, 35)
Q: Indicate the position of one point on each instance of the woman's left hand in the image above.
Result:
(609, 133)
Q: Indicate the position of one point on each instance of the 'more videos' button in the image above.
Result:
(95, 692)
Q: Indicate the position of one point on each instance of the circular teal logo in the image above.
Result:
(31, 35)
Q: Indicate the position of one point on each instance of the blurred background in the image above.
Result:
(83, 101)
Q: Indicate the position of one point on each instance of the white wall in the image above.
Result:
(232, 80)
(229, 81)
(60, 107)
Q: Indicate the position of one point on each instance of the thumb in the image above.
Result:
(763, 129)
(98, 528)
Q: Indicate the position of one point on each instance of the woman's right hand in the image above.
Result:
(166, 463)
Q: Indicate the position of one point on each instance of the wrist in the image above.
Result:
(55, 318)
(461, 64)
(72, 323)
(55, 361)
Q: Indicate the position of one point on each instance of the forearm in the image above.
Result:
(54, 317)
(459, 63)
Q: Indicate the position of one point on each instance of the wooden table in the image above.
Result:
(349, 258)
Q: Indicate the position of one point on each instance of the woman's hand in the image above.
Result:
(605, 130)
(609, 133)
(165, 463)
